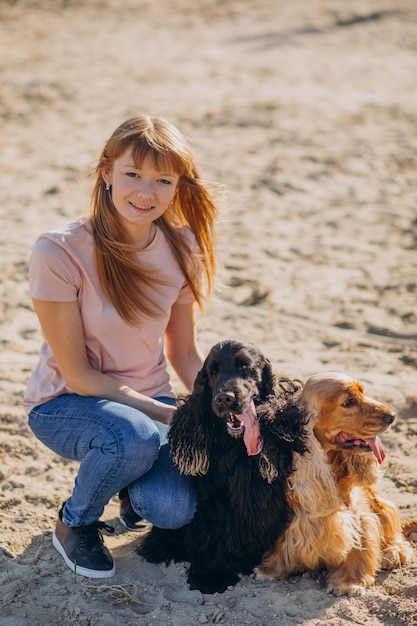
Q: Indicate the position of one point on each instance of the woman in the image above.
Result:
(115, 294)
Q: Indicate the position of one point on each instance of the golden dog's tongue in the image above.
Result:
(376, 447)
(251, 436)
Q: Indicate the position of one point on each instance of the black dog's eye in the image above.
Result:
(242, 367)
(214, 371)
(349, 402)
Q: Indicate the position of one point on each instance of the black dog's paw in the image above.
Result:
(211, 582)
(162, 546)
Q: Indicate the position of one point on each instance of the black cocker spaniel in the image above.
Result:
(237, 434)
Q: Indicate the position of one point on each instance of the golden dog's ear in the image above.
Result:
(190, 434)
(311, 398)
(313, 484)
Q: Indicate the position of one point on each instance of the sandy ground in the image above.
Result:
(306, 113)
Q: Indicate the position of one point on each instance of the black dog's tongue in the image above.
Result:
(251, 436)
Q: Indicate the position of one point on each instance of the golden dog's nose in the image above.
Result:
(388, 418)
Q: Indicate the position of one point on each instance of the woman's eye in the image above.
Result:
(164, 181)
(131, 174)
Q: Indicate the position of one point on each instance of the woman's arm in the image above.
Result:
(63, 329)
(181, 344)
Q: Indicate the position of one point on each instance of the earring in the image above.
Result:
(107, 186)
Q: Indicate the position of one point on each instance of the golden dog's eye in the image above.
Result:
(349, 402)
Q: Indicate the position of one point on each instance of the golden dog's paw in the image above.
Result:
(346, 582)
(410, 529)
(260, 575)
(348, 589)
(396, 554)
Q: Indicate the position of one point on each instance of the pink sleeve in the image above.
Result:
(53, 274)
(185, 296)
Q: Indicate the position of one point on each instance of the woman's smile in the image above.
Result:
(141, 207)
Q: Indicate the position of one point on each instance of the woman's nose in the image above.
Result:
(144, 189)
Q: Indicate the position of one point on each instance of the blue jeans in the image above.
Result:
(118, 446)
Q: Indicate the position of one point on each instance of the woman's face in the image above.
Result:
(140, 195)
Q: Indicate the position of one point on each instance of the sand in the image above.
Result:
(306, 113)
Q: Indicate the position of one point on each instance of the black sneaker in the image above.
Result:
(83, 549)
(128, 517)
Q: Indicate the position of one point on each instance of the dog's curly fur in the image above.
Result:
(340, 521)
(409, 529)
(242, 506)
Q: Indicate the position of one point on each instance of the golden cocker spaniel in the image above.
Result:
(340, 521)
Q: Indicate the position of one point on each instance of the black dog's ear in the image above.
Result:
(268, 379)
(283, 428)
(191, 429)
(201, 384)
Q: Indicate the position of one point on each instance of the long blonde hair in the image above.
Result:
(124, 281)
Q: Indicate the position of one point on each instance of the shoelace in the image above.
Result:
(90, 536)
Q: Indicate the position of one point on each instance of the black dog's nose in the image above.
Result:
(224, 398)
(388, 418)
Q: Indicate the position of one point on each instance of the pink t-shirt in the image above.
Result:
(62, 268)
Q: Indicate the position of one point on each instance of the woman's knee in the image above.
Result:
(163, 496)
(172, 512)
(140, 438)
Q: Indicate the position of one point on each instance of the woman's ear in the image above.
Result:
(106, 173)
